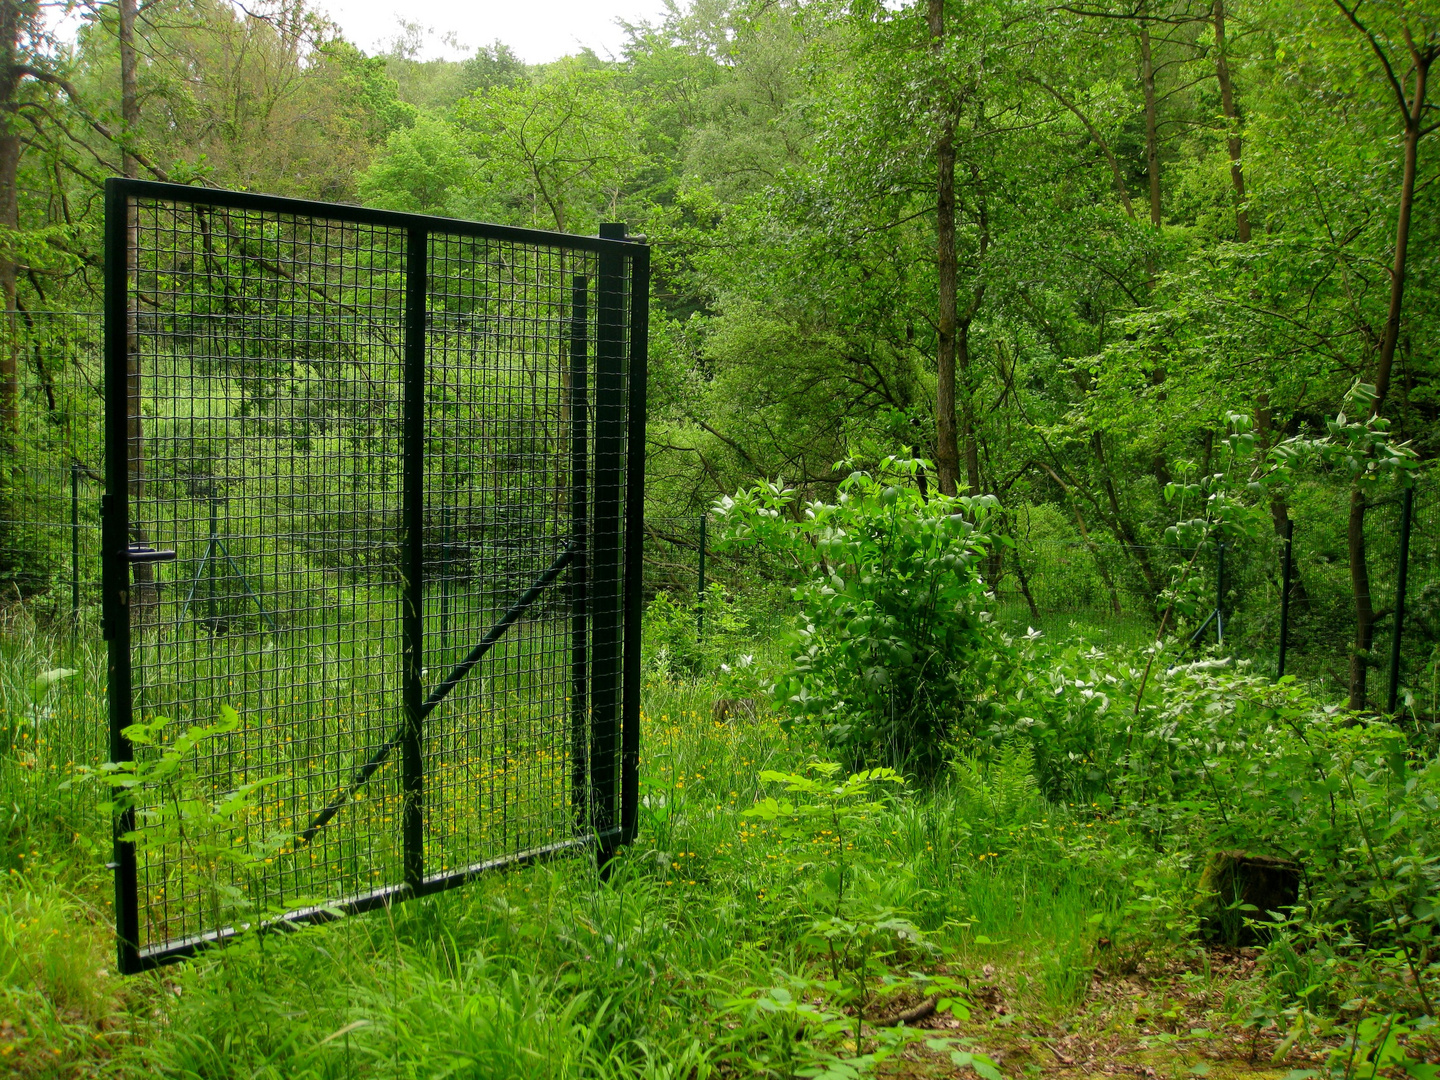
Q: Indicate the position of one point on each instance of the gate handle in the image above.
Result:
(144, 553)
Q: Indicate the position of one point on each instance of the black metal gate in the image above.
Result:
(374, 482)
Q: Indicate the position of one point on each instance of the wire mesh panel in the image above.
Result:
(367, 528)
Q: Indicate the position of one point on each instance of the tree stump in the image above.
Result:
(1237, 886)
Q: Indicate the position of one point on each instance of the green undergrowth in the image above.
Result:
(768, 913)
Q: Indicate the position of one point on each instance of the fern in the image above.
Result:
(1003, 791)
(1014, 791)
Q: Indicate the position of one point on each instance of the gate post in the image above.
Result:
(605, 564)
(412, 556)
(638, 372)
(114, 560)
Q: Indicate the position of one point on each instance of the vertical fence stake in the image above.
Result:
(700, 592)
(1407, 505)
(1220, 595)
(412, 555)
(1286, 572)
(445, 563)
(211, 558)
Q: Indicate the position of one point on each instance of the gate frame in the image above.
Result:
(610, 826)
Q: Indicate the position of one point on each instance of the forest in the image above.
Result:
(1039, 670)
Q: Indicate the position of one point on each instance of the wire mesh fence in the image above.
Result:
(371, 488)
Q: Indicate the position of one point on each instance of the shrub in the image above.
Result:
(893, 637)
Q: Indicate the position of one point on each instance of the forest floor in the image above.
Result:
(1164, 1025)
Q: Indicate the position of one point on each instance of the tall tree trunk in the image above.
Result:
(1413, 132)
(970, 436)
(14, 17)
(144, 594)
(947, 446)
(1412, 114)
(129, 89)
(1232, 120)
(1152, 137)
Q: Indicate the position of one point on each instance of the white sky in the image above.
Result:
(537, 30)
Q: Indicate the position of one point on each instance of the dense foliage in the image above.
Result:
(891, 640)
(934, 280)
(1051, 249)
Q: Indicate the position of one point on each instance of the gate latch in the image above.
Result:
(144, 553)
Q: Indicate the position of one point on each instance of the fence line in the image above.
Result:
(1051, 579)
(1097, 590)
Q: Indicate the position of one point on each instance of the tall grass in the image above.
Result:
(556, 970)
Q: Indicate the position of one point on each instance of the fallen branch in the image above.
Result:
(908, 1016)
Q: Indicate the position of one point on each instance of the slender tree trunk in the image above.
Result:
(10, 346)
(1232, 119)
(947, 446)
(129, 88)
(1123, 527)
(1117, 174)
(14, 15)
(968, 436)
(1279, 505)
(1412, 114)
(144, 595)
(1152, 137)
(1413, 132)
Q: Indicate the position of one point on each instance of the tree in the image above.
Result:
(564, 146)
(22, 61)
(1405, 41)
(421, 169)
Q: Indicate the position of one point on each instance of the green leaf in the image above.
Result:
(983, 1065)
(46, 679)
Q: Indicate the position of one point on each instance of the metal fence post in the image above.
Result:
(1220, 595)
(74, 545)
(1286, 573)
(700, 592)
(412, 555)
(115, 563)
(1407, 506)
(606, 543)
(637, 372)
(445, 571)
(580, 537)
(212, 557)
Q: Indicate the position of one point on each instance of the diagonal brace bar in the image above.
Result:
(442, 691)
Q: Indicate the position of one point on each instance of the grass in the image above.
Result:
(1059, 917)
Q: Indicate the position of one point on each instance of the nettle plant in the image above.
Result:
(893, 637)
(175, 812)
(869, 951)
